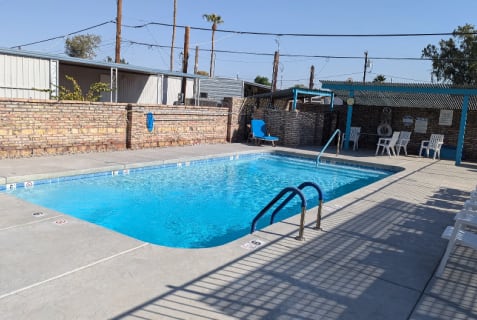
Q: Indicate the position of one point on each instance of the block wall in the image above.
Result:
(38, 127)
(294, 128)
(178, 126)
(34, 128)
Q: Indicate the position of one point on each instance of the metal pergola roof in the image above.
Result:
(439, 96)
(295, 93)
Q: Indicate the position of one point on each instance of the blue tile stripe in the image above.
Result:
(187, 163)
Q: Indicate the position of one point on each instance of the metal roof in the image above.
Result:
(296, 93)
(289, 93)
(95, 63)
(439, 96)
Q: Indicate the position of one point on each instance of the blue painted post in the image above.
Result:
(295, 97)
(349, 116)
(463, 122)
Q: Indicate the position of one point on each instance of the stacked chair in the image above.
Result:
(464, 231)
(402, 142)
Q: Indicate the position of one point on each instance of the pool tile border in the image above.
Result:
(131, 169)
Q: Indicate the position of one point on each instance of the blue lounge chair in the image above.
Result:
(259, 132)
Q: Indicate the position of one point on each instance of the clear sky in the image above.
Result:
(26, 21)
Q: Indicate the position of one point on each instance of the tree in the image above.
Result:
(379, 79)
(173, 34)
(215, 19)
(82, 46)
(455, 61)
(262, 80)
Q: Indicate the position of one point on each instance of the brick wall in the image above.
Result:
(178, 126)
(31, 128)
(368, 118)
(240, 113)
(294, 128)
(34, 128)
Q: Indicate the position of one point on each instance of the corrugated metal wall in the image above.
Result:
(136, 88)
(218, 88)
(24, 77)
(172, 88)
(83, 76)
(39, 78)
(132, 87)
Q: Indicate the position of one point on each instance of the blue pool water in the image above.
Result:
(198, 204)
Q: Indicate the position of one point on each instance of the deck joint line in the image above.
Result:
(32, 222)
(72, 271)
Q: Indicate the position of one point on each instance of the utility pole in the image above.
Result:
(185, 63)
(119, 19)
(365, 65)
(312, 78)
(275, 71)
(196, 69)
(196, 62)
(173, 36)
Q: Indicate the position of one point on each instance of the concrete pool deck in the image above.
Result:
(374, 259)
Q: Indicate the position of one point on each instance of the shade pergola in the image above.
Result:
(407, 95)
(297, 93)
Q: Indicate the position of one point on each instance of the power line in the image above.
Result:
(350, 35)
(290, 55)
(266, 54)
(66, 35)
(261, 34)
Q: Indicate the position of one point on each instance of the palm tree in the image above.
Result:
(215, 19)
(173, 34)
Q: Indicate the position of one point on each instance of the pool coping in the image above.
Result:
(29, 181)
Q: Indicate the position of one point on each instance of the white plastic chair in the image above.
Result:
(434, 143)
(388, 144)
(471, 204)
(353, 137)
(402, 142)
(459, 235)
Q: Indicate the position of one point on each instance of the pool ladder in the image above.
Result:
(294, 191)
(338, 145)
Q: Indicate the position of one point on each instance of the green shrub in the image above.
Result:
(93, 94)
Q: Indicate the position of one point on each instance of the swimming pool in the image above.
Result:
(194, 204)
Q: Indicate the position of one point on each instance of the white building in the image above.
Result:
(33, 75)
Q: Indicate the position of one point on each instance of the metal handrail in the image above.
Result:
(328, 143)
(300, 187)
(294, 191)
